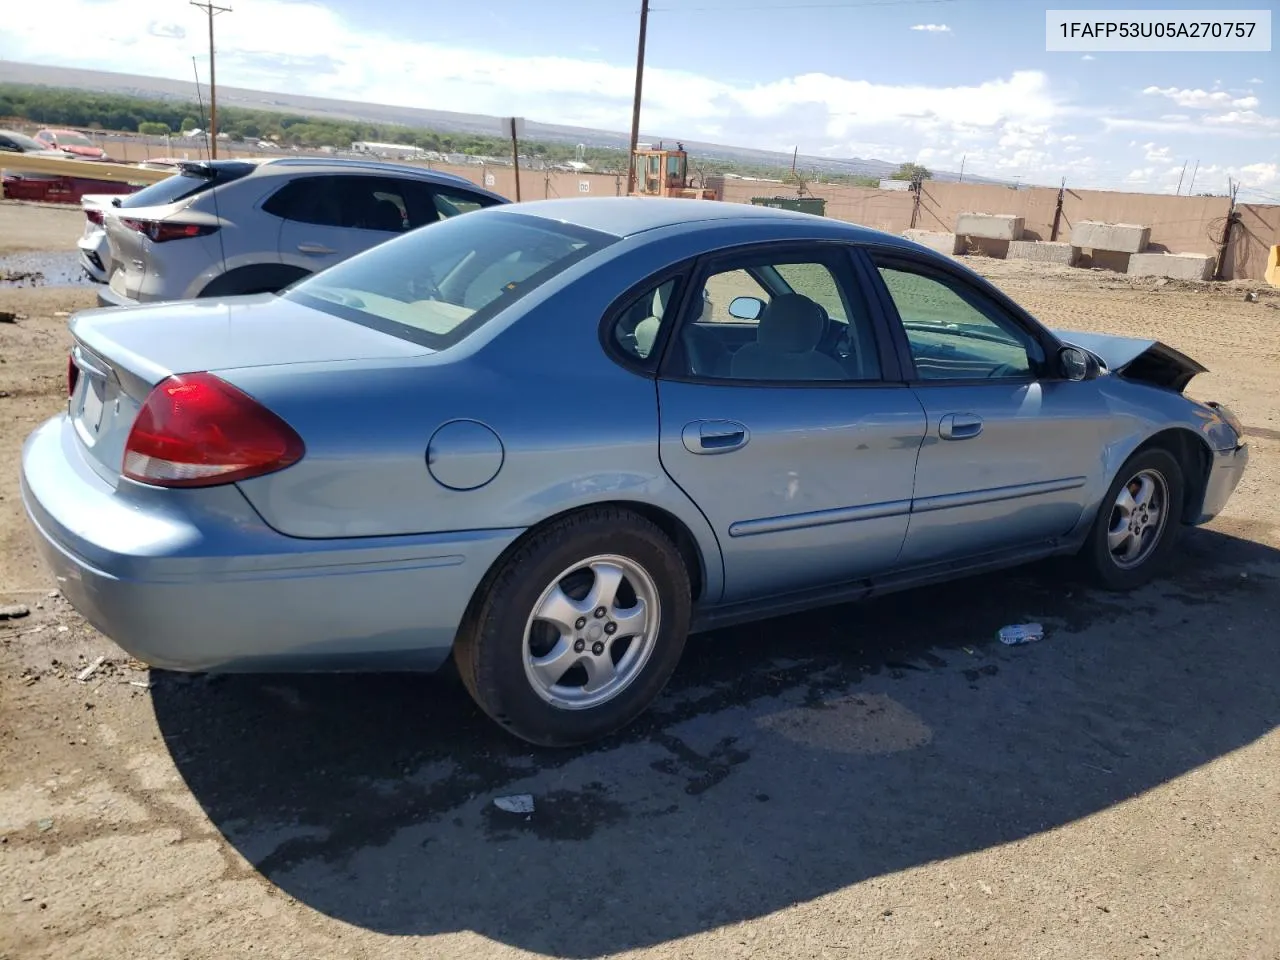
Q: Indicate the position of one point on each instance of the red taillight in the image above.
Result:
(159, 231)
(73, 375)
(197, 430)
(94, 216)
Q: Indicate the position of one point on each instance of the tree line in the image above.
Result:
(86, 109)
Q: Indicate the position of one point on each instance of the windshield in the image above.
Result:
(437, 284)
(22, 141)
(74, 139)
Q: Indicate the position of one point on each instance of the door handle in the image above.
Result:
(959, 426)
(315, 249)
(714, 436)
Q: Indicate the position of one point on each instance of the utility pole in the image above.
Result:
(1192, 185)
(1233, 187)
(1178, 192)
(962, 160)
(635, 109)
(212, 11)
(515, 154)
(1057, 213)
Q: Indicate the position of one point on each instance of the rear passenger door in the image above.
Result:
(326, 219)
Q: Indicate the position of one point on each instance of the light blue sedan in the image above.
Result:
(554, 438)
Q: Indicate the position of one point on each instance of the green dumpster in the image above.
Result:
(816, 205)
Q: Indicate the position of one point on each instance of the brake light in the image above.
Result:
(160, 231)
(197, 430)
(73, 375)
(94, 216)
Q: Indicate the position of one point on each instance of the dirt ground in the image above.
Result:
(881, 780)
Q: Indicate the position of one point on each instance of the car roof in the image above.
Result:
(350, 163)
(625, 216)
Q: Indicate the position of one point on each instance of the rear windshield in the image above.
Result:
(438, 283)
(192, 179)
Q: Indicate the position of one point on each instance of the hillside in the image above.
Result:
(443, 121)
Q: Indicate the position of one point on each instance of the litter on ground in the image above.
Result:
(1019, 633)
(517, 803)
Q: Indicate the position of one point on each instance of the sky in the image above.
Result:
(939, 82)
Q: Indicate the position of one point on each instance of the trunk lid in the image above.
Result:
(121, 354)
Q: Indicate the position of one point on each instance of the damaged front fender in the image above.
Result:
(1134, 358)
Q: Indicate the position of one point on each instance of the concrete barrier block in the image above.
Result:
(990, 226)
(1175, 266)
(947, 243)
(1120, 237)
(1044, 251)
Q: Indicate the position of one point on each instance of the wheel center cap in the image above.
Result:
(595, 631)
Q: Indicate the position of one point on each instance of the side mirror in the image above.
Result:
(746, 308)
(1077, 364)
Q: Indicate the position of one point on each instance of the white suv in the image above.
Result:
(227, 227)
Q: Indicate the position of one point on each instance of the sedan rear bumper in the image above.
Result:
(200, 583)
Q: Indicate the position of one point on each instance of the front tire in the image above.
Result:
(578, 630)
(1133, 535)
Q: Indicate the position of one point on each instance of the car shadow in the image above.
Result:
(787, 759)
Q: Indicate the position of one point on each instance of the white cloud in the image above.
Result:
(1245, 118)
(1255, 80)
(1260, 174)
(173, 31)
(1009, 124)
(1088, 56)
(1202, 99)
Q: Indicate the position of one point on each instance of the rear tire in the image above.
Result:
(577, 631)
(1133, 536)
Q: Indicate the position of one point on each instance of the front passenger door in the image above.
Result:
(1009, 445)
(781, 422)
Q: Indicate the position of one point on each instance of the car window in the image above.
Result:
(450, 203)
(436, 286)
(955, 333)
(722, 288)
(640, 322)
(385, 204)
(791, 319)
(188, 182)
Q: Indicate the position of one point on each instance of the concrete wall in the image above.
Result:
(1251, 241)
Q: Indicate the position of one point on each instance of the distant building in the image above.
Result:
(386, 149)
(895, 184)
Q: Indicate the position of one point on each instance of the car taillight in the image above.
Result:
(94, 216)
(73, 375)
(159, 231)
(197, 430)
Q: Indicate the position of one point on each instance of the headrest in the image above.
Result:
(791, 324)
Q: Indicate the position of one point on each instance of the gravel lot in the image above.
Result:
(883, 779)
